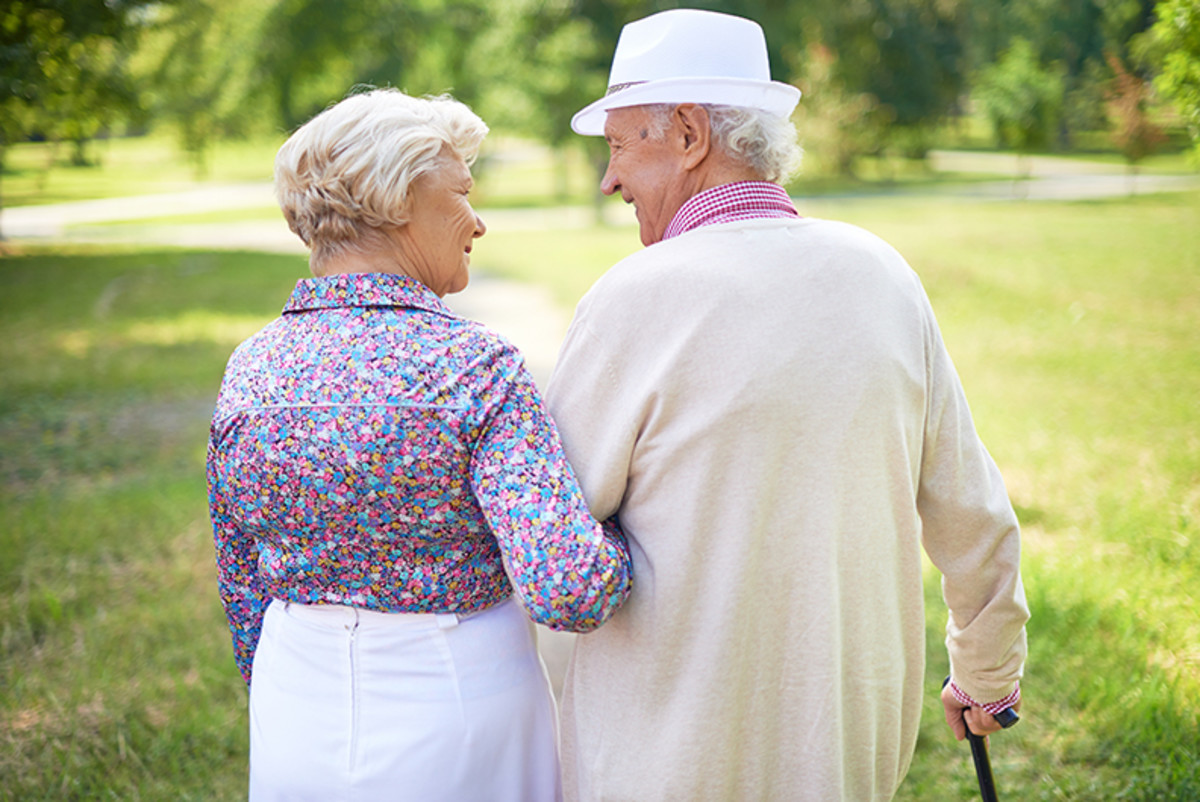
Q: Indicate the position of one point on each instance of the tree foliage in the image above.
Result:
(1128, 95)
(312, 51)
(196, 62)
(1176, 35)
(1021, 98)
(877, 74)
(836, 125)
(540, 64)
(907, 55)
(63, 70)
(1072, 34)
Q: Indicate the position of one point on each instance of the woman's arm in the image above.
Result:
(569, 572)
(237, 568)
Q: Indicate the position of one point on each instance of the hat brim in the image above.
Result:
(770, 96)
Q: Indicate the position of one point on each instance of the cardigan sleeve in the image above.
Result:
(595, 416)
(971, 535)
(569, 571)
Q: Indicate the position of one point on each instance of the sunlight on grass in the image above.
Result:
(199, 326)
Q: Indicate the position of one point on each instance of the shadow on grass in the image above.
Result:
(1100, 721)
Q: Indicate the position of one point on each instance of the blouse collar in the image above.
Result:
(346, 290)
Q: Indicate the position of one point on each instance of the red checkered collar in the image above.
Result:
(741, 200)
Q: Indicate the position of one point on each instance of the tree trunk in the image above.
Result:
(1131, 174)
(3, 156)
(562, 184)
(1024, 172)
(79, 153)
(601, 167)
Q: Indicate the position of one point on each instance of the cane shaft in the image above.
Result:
(983, 767)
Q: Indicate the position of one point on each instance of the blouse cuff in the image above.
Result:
(991, 707)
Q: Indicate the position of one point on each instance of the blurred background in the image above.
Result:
(882, 78)
(1034, 160)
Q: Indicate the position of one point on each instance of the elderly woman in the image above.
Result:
(384, 481)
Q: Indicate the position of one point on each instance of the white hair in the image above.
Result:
(765, 142)
(346, 172)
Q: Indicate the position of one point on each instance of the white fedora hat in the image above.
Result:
(689, 56)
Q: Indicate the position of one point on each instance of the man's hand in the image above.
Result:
(958, 718)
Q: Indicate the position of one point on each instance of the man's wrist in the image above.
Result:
(990, 707)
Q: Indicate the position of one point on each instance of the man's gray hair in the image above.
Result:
(765, 142)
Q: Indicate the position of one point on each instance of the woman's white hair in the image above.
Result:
(346, 173)
(766, 142)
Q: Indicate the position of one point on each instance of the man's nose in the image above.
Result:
(609, 184)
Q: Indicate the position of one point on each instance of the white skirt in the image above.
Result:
(349, 704)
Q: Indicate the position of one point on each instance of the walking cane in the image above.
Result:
(979, 752)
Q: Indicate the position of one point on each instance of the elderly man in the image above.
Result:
(766, 402)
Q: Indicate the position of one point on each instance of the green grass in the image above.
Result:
(116, 680)
(1074, 329)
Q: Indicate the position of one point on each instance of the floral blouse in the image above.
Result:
(371, 448)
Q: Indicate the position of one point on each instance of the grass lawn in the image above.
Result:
(115, 673)
(1073, 326)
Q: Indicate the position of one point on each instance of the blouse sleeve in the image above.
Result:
(569, 572)
(238, 583)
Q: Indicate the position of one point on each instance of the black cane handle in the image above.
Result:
(1007, 717)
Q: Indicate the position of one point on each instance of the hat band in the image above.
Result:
(612, 90)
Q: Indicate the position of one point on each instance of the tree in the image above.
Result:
(1021, 98)
(1176, 37)
(565, 49)
(311, 52)
(89, 96)
(62, 68)
(835, 125)
(605, 19)
(538, 93)
(196, 58)
(908, 55)
(1128, 95)
(1074, 35)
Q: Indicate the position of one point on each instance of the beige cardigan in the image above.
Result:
(769, 407)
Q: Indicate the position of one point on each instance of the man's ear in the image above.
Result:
(696, 131)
